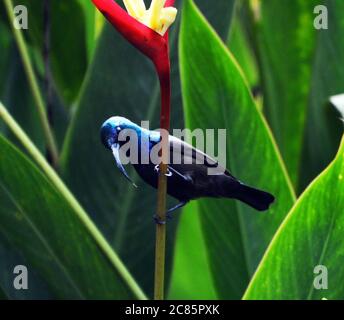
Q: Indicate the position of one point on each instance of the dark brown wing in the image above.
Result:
(182, 152)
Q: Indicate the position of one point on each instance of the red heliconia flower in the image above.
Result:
(147, 31)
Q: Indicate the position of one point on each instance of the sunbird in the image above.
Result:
(186, 180)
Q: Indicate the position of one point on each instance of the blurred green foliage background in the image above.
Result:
(258, 68)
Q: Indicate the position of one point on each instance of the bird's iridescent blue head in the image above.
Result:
(109, 134)
(111, 129)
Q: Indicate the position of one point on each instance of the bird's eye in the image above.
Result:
(118, 129)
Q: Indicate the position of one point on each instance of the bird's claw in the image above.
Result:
(167, 174)
(162, 222)
(168, 213)
(158, 220)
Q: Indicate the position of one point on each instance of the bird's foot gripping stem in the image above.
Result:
(167, 174)
(158, 220)
(168, 213)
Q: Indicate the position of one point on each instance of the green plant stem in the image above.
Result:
(164, 71)
(160, 242)
(39, 102)
(46, 58)
(79, 211)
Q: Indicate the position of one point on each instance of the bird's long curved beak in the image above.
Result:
(115, 152)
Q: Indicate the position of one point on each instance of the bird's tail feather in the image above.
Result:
(258, 199)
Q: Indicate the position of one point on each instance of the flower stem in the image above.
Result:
(163, 69)
(33, 83)
(160, 242)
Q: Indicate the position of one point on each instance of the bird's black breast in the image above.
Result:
(187, 181)
(177, 187)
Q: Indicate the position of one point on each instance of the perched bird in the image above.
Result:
(187, 180)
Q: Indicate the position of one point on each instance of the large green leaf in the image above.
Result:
(216, 95)
(5, 42)
(39, 222)
(327, 80)
(191, 274)
(11, 257)
(310, 236)
(68, 42)
(90, 24)
(121, 81)
(285, 40)
(2, 294)
(16, 80)
(21, 105)
(242, 50)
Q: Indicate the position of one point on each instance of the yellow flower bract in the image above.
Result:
(156, 17)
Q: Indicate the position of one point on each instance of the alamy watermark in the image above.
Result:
(321, 20)
(21, 18)
(21, 279)
(321, 279)
(136, 147)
